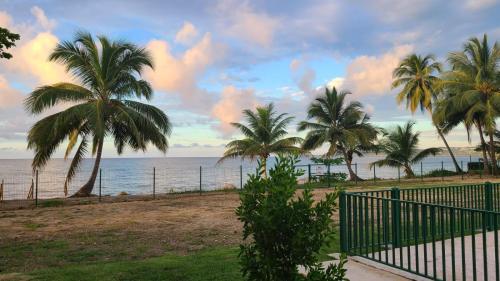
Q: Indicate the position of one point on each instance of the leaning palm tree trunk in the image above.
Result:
(408, 171)
(352, 175)
(483, 148)
(86, 189)
(457, 168)
(492, 153)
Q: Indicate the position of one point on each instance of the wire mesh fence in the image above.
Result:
(24, 187)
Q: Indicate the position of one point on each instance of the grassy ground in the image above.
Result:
(188, 237)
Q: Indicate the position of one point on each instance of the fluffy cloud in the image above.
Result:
(30, 57)
(240, 20)
(42, 19)
(372, 75)
(186, 34)
(179, 74)
(229, 108)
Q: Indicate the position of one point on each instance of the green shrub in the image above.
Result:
(332, 177)
(440, 173)
(282, 231)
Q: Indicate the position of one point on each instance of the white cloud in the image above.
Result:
(179, 74)
(30, 56)
(337, 82)
(41, 18)
(240, 20)
(372, 75)
(186, 34)
(229, 108)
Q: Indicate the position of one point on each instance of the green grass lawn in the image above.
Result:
(61, 265)
(211, 264)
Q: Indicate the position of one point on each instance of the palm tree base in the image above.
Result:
(84, 191)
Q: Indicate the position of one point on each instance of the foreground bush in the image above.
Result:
(282, 231)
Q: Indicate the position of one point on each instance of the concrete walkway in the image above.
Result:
(364, 271)
(483, 263)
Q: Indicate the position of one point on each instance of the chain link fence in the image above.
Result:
(25, 188)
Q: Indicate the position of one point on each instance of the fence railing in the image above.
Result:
(442, 233)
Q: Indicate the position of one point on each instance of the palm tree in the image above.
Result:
(265, 134)
(104, 104)
(345, 127)
(400, 148)
(475, 81)
(419, 88)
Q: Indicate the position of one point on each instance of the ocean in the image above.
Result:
(182, 174)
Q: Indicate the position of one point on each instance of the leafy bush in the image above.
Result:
(282, 231)
(333, 178)
(441, 173)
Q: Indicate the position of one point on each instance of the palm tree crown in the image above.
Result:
(416, 75)
(419, 87)
(344, 126)
(474, 87)
(104, 104)
(400, 147)
(265, 133)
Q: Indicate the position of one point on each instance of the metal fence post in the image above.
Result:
(396, 216)
(442, 170)
(356, 172)
(309, 173)
(343, 231)
(200, 179)
(154, 182)
(36, 188)
(100, 184)
(241, 176)
(1, 191)
(399, 174)
(421, 171)
(488, 203)
(462, 168)
(328, 175)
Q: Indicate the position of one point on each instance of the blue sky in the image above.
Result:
(215, 58)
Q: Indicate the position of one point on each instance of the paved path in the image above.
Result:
(361, 271)
(483, 262)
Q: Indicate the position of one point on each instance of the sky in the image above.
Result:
(215, 58)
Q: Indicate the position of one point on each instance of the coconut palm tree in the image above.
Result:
(475, 81)
(400, 148)
(265, 134)
(104, 104)
(344, 126)
(418, 83)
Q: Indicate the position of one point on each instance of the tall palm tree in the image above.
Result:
(103, 104)
(416, 76)
(265, 134)
(400, 148)
(475, 80)
(345, 127)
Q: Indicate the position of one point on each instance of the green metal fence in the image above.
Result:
(442, 233)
